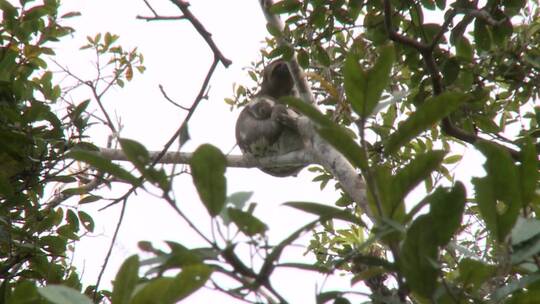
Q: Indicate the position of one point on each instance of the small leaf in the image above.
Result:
(426, 115)
(59, 294)
(326, 212)
(239, 199)
(208, 171)
(246, 222)
(126, 280)
(285, 6)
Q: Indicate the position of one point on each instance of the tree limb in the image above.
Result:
(295, 158)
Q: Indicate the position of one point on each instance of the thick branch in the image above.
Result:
(295, 158)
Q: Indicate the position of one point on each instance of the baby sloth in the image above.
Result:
(267, 128)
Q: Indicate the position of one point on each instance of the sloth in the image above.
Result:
(267, 128)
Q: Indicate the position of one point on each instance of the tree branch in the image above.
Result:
(296, 158)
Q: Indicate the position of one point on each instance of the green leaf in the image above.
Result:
(415, 172)
(528, 171)
(187, 282)
(285, 6)
(246, 222)
(59, 294)
(418, 254)
(326, 212)
(501, 185)
(426, 234)
(125, 281)
(426, 115)
(208, 167)
(153, 291)
(482, 35)
(86, 220)
(364, 88)
(446, 207)
(450, 71)
(464, 50)
(135, 153)
(104, 165)
(474, 273)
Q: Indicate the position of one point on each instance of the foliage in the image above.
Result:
(414, 90)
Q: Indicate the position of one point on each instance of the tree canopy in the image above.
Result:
(388, 93)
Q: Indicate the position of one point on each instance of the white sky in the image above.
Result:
(178, 58)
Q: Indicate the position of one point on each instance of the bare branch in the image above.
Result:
(170, 100)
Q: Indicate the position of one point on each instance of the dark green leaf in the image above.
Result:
(208, 171)
(125, 281)
(418, 254)
(446, 208)
(326, 212)
(482, 35)
(246, 222)
(426, 234)
(450, 71)
(415, 172)
(356, 86)
(86, 220)
(426, 115)
(500, 185)
(322, 55)
(528, 171)
(464, 50)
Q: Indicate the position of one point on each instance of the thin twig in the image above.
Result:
(113, 240)
(170, 100)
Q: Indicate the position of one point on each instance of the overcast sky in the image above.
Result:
(178, 58)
